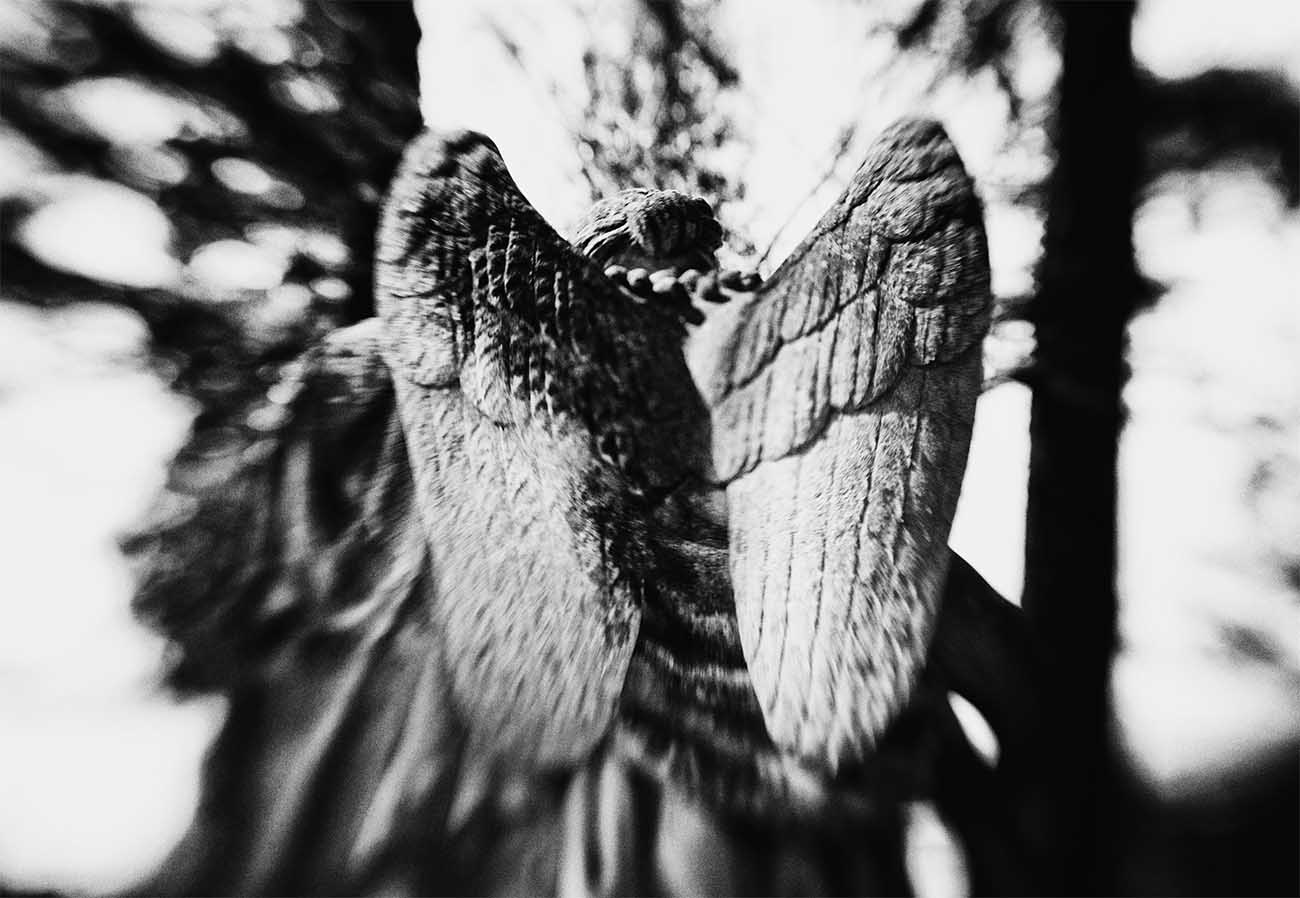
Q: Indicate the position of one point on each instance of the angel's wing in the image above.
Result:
(422, 584)
(842, 403)
(546, 411)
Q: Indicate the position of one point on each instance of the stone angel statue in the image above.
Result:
(512, 604)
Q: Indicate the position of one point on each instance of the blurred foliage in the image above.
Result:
(652, 120)
(1215, 118)
(263, 132)
(1224, 117)
(970, 36)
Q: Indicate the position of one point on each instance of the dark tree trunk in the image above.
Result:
(1087, 290)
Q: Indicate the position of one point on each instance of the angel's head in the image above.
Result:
(651, 229)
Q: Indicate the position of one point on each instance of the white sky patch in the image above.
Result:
(331, 288)
(326, 248)
(1213, 396)
(101, 331)
(193, 39)
(98, 771)
(469, 80)
(20, 159)
(1015, 235)
(268, 46)
(231, 266)
(249, 178)
(1175, 38)
(125, 110)
(976, 729)
(1202, 725)
(242, 176)
(989, 528)
(308, 93)
(1217, 356)
(100, 230)
(78, 776)
(284, 307)
(932, 854)
(284, 239)
(149, 166)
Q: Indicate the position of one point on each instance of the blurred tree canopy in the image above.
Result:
(259, 135)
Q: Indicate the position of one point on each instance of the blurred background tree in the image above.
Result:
(216, 170)
(258, 137)
(1116, 131)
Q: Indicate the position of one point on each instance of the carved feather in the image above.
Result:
(489, 535)
(544, 408)
(843, 402)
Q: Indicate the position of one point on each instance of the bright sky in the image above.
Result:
(98, 774)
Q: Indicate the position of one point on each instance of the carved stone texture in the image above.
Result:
(501, 537)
